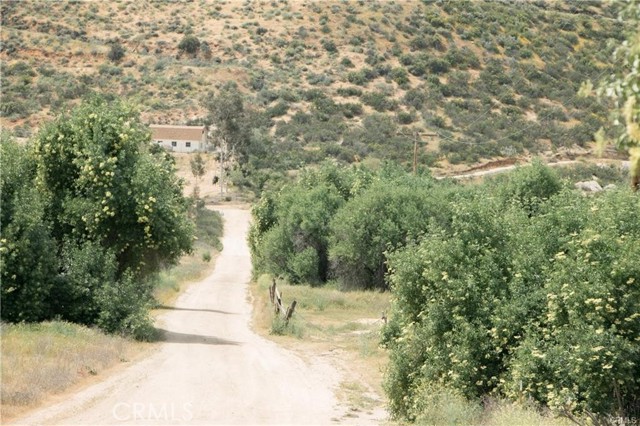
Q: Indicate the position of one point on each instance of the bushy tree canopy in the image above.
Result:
(101, 184)
(90, 213)
(624, 88)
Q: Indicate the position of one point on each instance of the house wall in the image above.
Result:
(181, 144)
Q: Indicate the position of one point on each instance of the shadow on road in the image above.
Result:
(175, 337)
(215, 311)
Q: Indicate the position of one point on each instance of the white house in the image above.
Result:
(179, 138)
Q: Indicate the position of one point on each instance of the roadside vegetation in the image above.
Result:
(90, 215)
(46, 358)
(520, 288)
(42, 359)
(170, 282)
(342, 326)
(514, 300)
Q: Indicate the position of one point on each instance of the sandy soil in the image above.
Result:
(212, 369)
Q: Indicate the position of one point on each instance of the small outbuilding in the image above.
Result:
(179, 138)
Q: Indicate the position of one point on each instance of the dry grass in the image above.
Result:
(343, 326)
(507, 414)
(47, 358)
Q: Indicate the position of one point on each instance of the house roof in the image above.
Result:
(191, 133)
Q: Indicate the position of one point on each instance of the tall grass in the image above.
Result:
(47, 358)
(442, 406)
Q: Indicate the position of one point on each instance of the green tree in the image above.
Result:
(541, 307)
(622, 88)
(197, 169)
(383, 217)
(101, 184)
(27, 250)
(228, 114)
(529, 186)
(95, 214)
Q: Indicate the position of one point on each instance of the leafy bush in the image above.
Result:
(357, 77)
(329, 46)
(124, 307)
(116, 52)
(503, 299)
(349, 91)
(89, 176)
(400, 76)
(379, 101)
(290, 237)
(189, 44)
(27, 250)
(529, 186)
(384, 216)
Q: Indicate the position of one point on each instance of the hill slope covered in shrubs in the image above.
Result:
(330, 78)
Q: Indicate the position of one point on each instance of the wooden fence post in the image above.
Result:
(276, 300)
(289, 313)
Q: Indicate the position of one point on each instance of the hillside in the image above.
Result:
(343, 79)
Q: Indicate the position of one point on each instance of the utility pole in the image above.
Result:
(417, 135)
(220, 161)
(221, 151)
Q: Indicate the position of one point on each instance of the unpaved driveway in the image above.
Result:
(212, 369)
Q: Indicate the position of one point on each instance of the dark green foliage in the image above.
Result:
(378, 101)
(529, 186)
(406, 117)
(329, 46)
(351, 109)
(400, 76)
(27, 251)
(189, 44)
(123, 307)
(99, 180)
(85, 269)
(527, 295)
(104, 215)
(116, 52)
(232, 119)
(381, 218)
(346, 62)
(289, 237)
(349, 91)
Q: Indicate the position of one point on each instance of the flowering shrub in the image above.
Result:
(537, 304)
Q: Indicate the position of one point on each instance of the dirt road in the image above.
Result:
(496, 170)
(212, 369)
